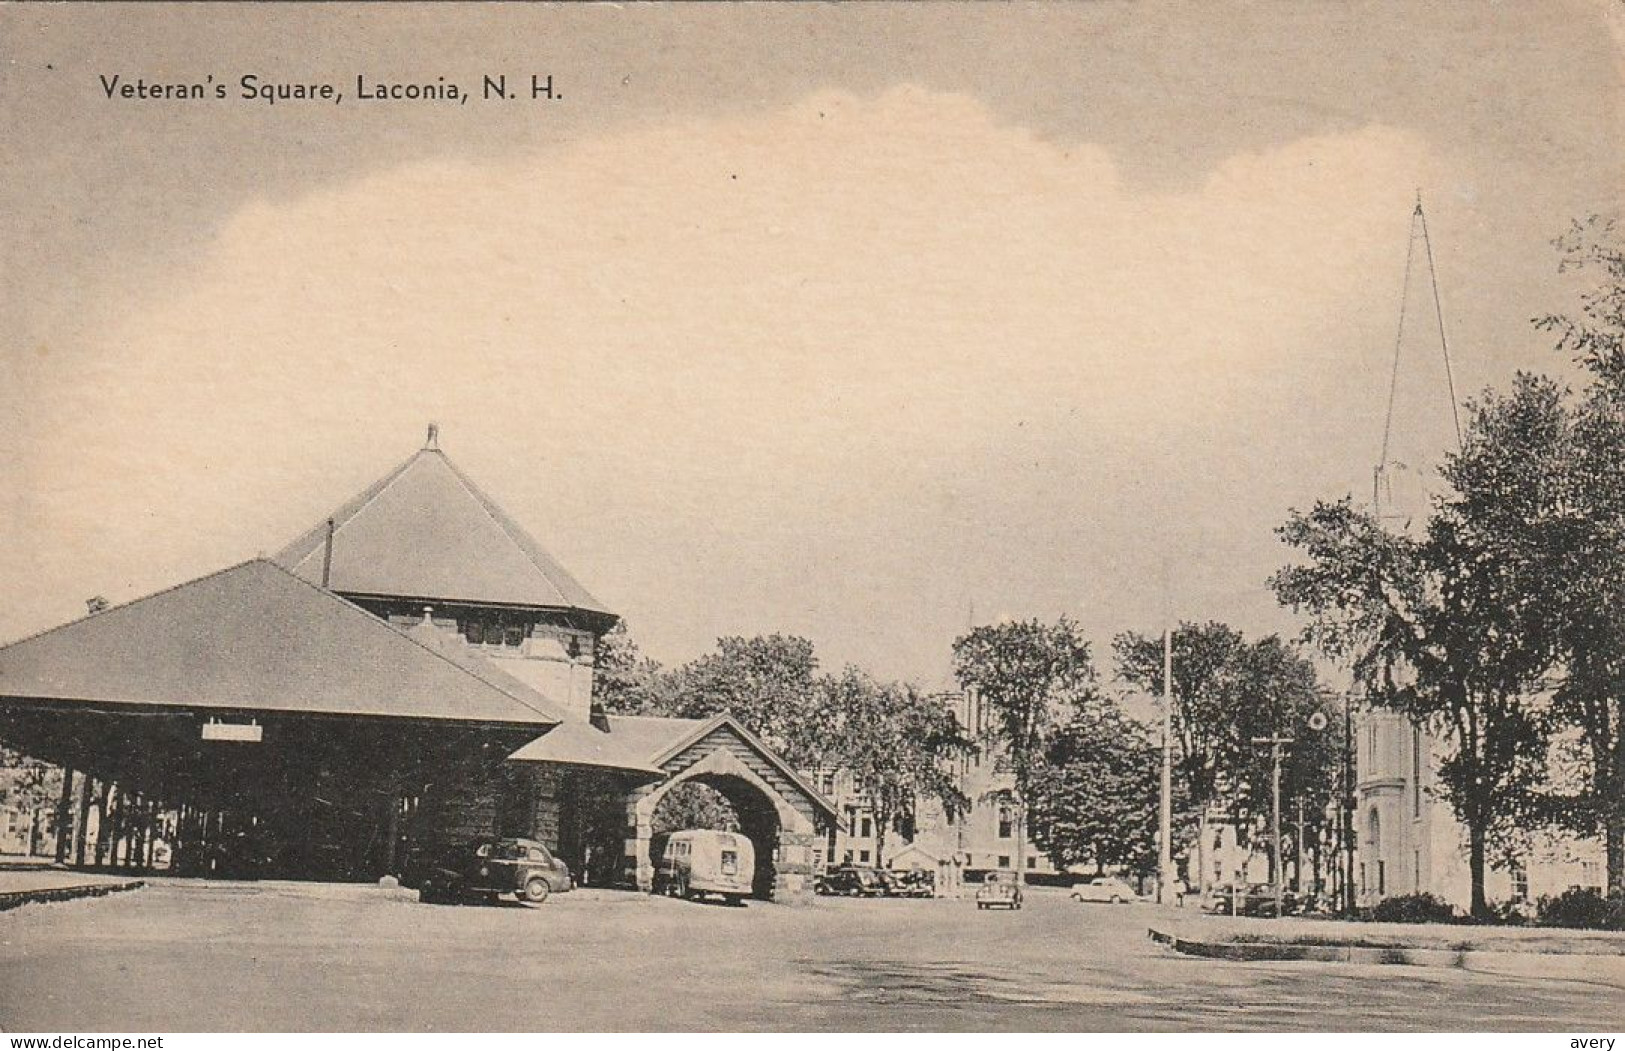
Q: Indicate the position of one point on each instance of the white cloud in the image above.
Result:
(768, 366)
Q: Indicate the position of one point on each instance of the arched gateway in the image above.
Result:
(414, 669)
(777, 811)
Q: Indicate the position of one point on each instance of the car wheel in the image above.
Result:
(1116, 900)
(536, 891)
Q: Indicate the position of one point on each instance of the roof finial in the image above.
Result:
(1418, 201)
(433, 441)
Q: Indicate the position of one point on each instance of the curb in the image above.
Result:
(18, 898)
(1257, 951)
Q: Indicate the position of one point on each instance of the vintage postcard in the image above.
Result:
(876, 518)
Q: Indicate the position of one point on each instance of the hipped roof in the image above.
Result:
(255, 637)
(425, 531)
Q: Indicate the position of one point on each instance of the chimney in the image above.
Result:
(327, 555)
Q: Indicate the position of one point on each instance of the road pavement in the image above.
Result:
(177, 957)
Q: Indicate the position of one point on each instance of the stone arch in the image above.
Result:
(780, 833)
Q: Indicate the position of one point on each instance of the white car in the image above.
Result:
(1104, 888)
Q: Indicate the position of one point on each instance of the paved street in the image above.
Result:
(179, 957)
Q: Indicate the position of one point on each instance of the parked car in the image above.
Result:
(999, 888)
(912, 883)
(1252, 899)
(489, 867)
(853, 881)
(702, 862)
(1108, 889)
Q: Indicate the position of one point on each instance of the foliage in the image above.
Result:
(691, 804)
(767, 682)
(1433, 629)
(1581, 559)
(27, 783)
(1596, 339)
(1027, 675)
(896, 742)
(1582, 907)
(1097, 801)
(898, 745)
(1413, 908)
(1228, 691)
(625, 682)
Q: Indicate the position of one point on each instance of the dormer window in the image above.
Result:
(494, 631)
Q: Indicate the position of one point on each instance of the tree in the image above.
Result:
(32, 787)
(768, 682)
(1582, 568)
(897, 744)
(694, 805)
(625, 682)
(1097, 801)
(1027, 675)
(1228, 691)
(1433, 629)
(1596, 339)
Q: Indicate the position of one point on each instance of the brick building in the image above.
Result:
(412, 670)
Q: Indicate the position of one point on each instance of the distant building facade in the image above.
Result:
(1408, 840)
(966, 846)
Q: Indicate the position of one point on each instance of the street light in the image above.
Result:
(1275, 742)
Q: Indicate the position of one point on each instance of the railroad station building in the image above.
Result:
(412, 671)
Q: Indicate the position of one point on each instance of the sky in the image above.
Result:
(863, 323)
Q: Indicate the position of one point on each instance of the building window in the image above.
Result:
(1006, 824)
(1004, 861)
(1032, 862)
(868, 829)
(828, 782)
(1382, 876)
(1520, 882)
(863, 856)
(495, 631)
(1416, 772)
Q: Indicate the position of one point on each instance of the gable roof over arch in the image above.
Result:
(658, 747)
(426, 531)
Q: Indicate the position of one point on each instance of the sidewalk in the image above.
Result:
(1295, 930)
(26, 883)
(1593, 957)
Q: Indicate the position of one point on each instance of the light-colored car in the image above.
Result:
(1108, 889)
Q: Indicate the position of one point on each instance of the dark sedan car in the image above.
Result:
(853, 881)
(1256, 899)
(489, 867)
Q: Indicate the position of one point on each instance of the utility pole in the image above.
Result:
(1275, 744)
(1165, 819)
(1348, 803)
